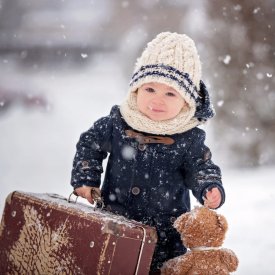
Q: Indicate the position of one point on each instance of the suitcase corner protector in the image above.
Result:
(9, 197)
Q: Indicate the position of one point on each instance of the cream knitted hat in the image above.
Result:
(171, 59)
(177, 55)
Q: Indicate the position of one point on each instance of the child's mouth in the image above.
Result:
(153, 109)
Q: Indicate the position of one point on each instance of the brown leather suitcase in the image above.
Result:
(45, 234)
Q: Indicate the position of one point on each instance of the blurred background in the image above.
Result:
(64, 63)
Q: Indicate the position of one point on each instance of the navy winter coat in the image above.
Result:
(148, 184)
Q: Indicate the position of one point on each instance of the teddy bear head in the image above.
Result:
(201, 227)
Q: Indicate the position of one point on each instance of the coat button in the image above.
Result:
(141, 147)
(135, 191)
(85, 164)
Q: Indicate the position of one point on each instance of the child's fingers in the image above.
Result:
(86, 193)
(90, 198)
(213, 194)
(213, 198)
(81, 191)
(205, 202)
(211, 204)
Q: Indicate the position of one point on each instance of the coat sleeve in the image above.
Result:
(200, 172)
(92, 147)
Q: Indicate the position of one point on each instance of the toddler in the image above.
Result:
(156, 152)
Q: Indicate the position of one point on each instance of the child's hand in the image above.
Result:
(213, 198)
(89, 193)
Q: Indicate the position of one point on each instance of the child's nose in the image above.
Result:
(158, 99)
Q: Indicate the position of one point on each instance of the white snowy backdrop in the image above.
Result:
(47, 100)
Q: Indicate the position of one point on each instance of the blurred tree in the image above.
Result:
(134, 23)
(242, 44)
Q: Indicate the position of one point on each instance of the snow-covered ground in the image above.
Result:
(37, 148)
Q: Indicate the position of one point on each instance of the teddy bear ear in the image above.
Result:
(222, 222)
(180, 222)
(187, 218)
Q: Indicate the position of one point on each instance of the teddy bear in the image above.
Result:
(202, 231)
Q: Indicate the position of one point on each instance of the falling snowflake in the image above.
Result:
(84, 55)
(125, 4)
(238, 8)
(256, 10)
(260, 76)
(128, 152)
(226, 59)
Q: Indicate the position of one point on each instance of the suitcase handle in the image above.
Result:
(99, 204)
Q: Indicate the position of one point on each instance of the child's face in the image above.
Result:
(159, 101)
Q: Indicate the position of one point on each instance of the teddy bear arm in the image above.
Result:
(229, 258)
(178, 266)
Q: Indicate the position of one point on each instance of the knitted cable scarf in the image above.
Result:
(183, 122)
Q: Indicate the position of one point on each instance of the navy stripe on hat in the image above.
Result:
(169, 72)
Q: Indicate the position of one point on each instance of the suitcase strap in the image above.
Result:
(100, 202)
(141, 249)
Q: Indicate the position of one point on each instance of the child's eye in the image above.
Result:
(150, 90)
(170, 94)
